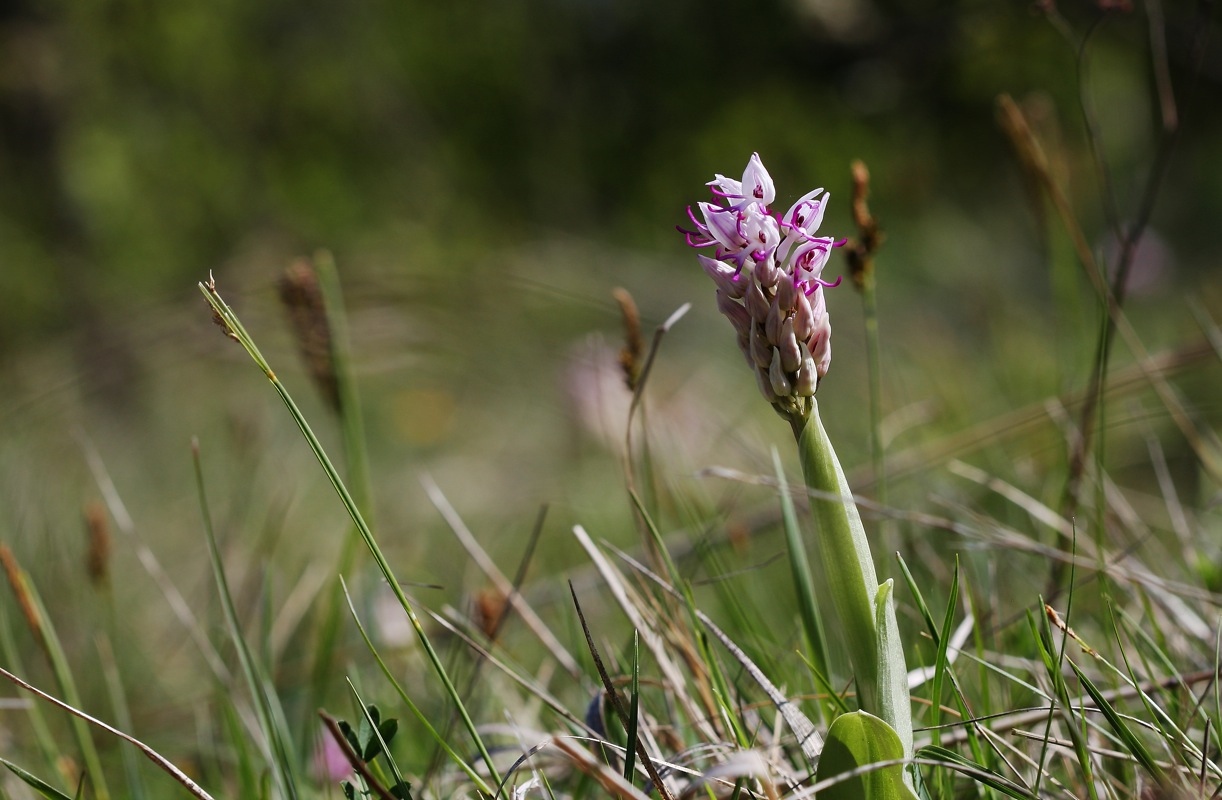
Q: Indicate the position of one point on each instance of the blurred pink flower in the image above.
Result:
(329, 764)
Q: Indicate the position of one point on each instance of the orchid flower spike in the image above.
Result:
(768, 268)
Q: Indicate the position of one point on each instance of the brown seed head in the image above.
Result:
(490, 607)
(634, 343)
(860, 251)
(302, 298)
(16, 580)
(97, 530)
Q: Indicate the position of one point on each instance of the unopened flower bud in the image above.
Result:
(778, 378)
(761, 350)
(804, 319)
(757, 302)
(772, 324)
(821, 347)
(734, 310)
(744, 345)
(787, 295)
(791, 356)
(766, 273)
(820, 340)
(808, 377)
(724, 276)
(765, 387)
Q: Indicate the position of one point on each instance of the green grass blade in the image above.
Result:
(940, 662)
(1052, 658)
(118, 699)
(152, 754)
(280, 751)
(1184, 746)
(352, 428)
(1217, 665)
(416, 712)
(943, 669)
(239, 740)
(634, 707)
(37, 784)
(978, 772)
(834, 698)
(44, 630)
(867, 284)
(42, 732)
(718, 684)
(1136, 747)
(808, 737)
(617, 702)
(233, 327)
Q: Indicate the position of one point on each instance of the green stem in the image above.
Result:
(804, 585)
(263, 694)
(869, 302)
(357, 462)
(865, 615)
(233, 327)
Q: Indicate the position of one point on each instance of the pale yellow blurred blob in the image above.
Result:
(423, 416)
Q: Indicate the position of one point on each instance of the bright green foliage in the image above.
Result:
(363, 740)
(854, 742)
(370, 740)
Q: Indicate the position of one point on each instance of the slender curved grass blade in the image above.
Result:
(44, 630)
(123, 717)
(979, 773)
(940, 663)
(245, 770)
(265, 702)
(233, 327)
(1051, 657)
(617, 702)
(38, 722)
(152, 754)
(352, 428)
(943, 669)
(34, 782)
(407, 701)
(634, 707)
(720, 687)
(808, 738)
(1131, 742)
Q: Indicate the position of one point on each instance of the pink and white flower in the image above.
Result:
(768, 270)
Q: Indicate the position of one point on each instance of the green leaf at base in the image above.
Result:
(855, 740)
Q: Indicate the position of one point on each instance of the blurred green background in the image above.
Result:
(485, 174)
(147, 143)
